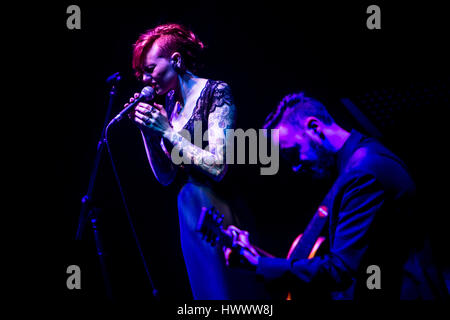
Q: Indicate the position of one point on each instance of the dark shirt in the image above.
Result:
(371, 221)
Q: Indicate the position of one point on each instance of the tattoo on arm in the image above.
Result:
(211, 159)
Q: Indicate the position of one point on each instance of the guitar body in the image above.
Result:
(311, 255)
(314, 249)
(305, 246)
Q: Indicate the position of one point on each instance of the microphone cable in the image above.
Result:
(127, 211)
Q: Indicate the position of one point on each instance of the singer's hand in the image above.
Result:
(131, 114)
(150, 117)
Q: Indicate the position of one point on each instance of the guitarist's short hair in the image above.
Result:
(294, 107)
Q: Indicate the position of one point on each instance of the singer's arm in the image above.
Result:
(162, 167)
(210, 160)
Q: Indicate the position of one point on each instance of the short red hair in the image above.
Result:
(174, 38)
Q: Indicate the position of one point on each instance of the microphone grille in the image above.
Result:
(148, 92)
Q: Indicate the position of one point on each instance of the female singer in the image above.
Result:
(166, 58)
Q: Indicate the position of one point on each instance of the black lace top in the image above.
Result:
(215, 94)
(215, 111)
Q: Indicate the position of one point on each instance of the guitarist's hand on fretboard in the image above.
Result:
(234, 242)
(236, 245)
(243, 253)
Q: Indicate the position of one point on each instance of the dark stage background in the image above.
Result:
(396, 76)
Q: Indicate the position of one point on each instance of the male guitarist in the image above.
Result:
(375, 248)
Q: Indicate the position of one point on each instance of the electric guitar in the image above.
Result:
(305, 246)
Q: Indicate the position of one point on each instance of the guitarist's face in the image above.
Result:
(305, 153)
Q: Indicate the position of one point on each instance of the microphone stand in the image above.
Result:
(88, 212)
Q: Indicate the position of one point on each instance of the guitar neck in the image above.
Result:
(210, 226)
(223, 239)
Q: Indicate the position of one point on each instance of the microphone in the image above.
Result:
(147, 94)
(113, 79)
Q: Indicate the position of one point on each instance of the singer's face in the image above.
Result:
(305, 153)
(158, 71)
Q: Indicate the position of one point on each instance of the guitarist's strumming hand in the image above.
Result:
(243, 254)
